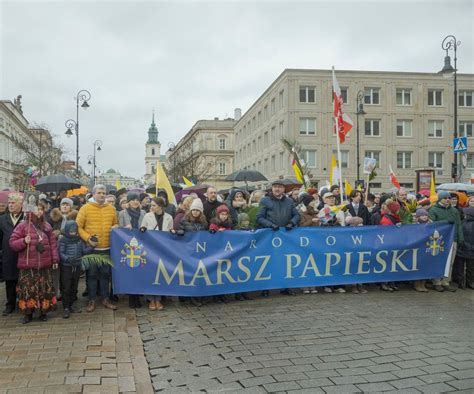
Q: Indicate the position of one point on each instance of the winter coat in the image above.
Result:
(307, 217)
(170, 209)
(96, 219)
(389, 219)
(234, 212)
(466, 248)
(363, 213)
(277, 211)
(56, 219)
(29, 257)
(9, 257)
(217, 225)
(125, 219)
(72, 247)
(210, 208)
(149, 221)
(188, 226)
(178, 217)
(252, 210)
(438, 213)
(375, 215)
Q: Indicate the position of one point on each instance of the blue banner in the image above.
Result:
(201, 264)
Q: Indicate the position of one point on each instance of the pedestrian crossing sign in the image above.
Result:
(460, 144)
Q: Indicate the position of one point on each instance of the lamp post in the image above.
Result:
(450, 43)
(171, 147)
(359, 111)
(91, 158)
(82, 97)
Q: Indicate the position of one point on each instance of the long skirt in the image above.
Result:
(35, 290)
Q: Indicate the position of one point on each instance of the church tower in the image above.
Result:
(152, 153)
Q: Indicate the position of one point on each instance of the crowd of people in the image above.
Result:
(45, 250)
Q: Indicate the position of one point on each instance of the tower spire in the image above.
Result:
(153, 131)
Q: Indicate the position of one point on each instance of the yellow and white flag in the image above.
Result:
(162, 182)
(334, 176)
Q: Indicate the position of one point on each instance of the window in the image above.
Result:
(466, 129)
(265, 166)
(404, 128)
(254, 147)
(375, 185)
(265, 113)
(344, 157)
(435, 97)
(309, 157)
(307, 94)
(273, 135)
(374, 155)
(281, 99)
(273, 163)
(282, 161)
(222, 143)
(403, 96)
(465, 98)
(307, 126)
(153, 151)
(435, 128)
(282, 129)
(152, 169)
(265, 139)
(404, 159)
(344, 95)
(406, 185)
(435, 159)
(372, 128)
(372, 96)
(222, 169)
(259, 118)
(470, 161)
(272, 106)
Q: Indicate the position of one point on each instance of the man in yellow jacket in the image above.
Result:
(95, 220)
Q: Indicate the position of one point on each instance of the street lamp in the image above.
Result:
(171, 147)
(450, 43)
(359, 111)
(82, 97)
(91, 158)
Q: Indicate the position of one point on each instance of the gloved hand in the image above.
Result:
(289, 226)
(212, 231)
(142, 229)
(275, 227)
(180, 232)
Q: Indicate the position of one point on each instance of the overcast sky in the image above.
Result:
(197, 60)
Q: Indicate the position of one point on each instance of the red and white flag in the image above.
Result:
(344, 123)
(393, 179)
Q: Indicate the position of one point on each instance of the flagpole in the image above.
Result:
(339, 159)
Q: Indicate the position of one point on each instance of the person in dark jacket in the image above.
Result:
(444, 211)
(170, 209)
(9, 258)
(237, 204)
(466, 251)
(71, 250)
(211, 203)
(277, 210)
(357, 207)
(336, 190)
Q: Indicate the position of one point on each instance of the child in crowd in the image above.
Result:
(222, 221)
(71, 250)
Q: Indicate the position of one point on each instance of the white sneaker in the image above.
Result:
(340, 290)
(327, 290)
(314, 291)
(305, 291)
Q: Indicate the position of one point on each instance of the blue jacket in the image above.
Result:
(72, 247)
(277, 211)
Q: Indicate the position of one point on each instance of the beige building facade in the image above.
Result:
(205, 153)
(408, 124)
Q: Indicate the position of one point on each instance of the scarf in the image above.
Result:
(159, 221)
(134, 217)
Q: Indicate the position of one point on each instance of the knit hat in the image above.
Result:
(243, 217)
(393, 206)
(221, 208)
(197, 204)
(421, 212)
(443, 194)
(133, 196)
(306, 199)
(141, 197)
(66, 200)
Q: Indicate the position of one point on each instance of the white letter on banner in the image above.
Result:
(225, 272)
(289, 266)
(381, 237)
(362, 262)
(381, 261)
(168, 279)
(228, 246)
(244, 268)
(305, 243)
(415, 260)
(266, 259)
(396, 261)
(333, 240)
(279, 242)
(357, 239)
(199, 246)
(328, 262)
(201, 269)
(253, 244)
(310, 262)
(347, 270)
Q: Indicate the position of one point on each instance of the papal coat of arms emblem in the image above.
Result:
(133, 254)
(436, 244)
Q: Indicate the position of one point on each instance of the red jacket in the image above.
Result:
(35, 260)
(389, 219)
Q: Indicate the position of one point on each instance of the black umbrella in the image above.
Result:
(246, 176)
(56, 183)
(152, 188)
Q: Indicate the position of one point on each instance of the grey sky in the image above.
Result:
(198, 60)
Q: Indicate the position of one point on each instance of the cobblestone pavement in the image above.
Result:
(333, 343)
(90, 353)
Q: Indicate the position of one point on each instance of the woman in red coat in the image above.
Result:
(36, 245)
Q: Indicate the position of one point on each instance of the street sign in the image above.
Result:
(460, 144)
